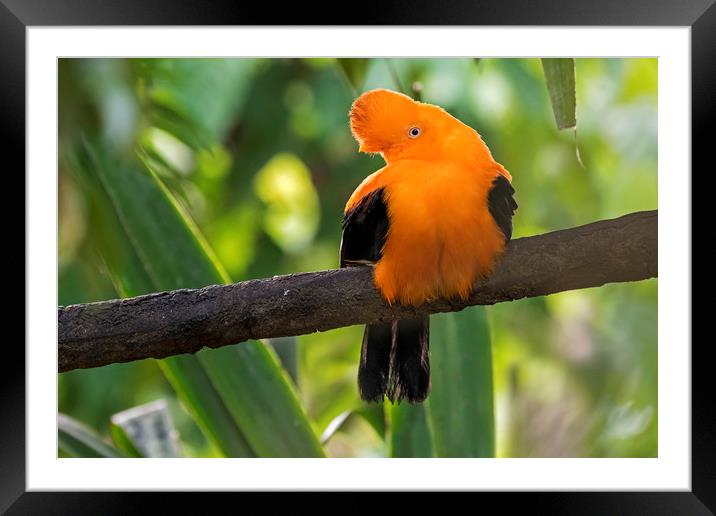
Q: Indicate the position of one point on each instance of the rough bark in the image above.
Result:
(184, 321)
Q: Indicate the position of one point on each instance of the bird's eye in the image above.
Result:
(414, 132)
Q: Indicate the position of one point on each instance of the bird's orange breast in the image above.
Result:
(441, 236)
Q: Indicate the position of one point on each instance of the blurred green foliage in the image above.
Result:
(258, 155)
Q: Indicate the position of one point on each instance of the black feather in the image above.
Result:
(502, 205)
(364, 229)
(374, 366)
(410, 361)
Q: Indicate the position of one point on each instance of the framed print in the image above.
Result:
(418, 250)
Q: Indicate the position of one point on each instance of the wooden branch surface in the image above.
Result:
(184, 321)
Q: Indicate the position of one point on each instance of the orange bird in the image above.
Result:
(431, 223)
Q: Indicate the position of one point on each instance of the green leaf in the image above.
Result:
(78, 440)
(130, 278)
(254, 388)
(373, 414)
(335, 425)
(196, 100)
(355, 70)
(260, 396)
(286, 349)
(146, 430)
(123, 441)
(409, 435)
(177, 124)
(460, 406)
(559, 74)
(193, 386)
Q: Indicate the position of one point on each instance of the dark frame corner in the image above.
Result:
(700, 15)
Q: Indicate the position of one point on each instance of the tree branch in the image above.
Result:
(183, 321)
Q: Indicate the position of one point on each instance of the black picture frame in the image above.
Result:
(17, 15)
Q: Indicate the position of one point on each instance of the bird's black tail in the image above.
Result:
(395, 361)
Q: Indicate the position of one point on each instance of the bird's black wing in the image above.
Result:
(502, 205)
(364, 229)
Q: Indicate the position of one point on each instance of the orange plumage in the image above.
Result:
(442, 237)
(431, 222)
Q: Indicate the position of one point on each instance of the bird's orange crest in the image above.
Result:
(378, 118)
(398, 127)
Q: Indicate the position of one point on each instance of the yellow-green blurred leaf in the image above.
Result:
(284, 184)
(559, 74)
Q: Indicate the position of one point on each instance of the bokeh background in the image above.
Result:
(259, 156)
